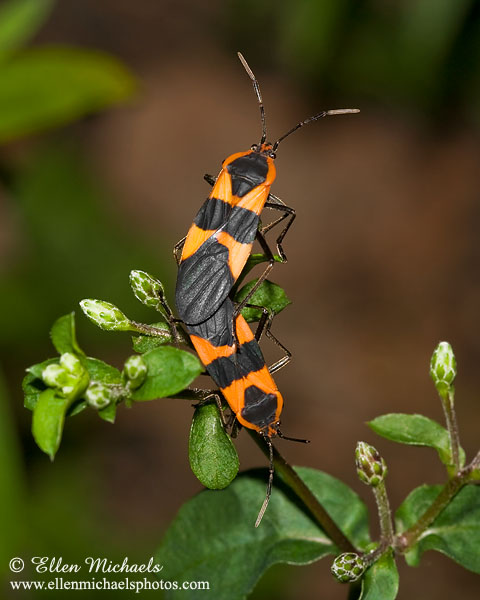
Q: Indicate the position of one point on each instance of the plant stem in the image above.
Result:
(384, 514)
(166, 335)
(409, 537)
(448, 404)
(291, 478)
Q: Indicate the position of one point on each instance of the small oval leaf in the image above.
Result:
(415, 430)
(33, 384)
(169, 371)
(269, 294)
(213, 457)
(48, 419)
(381, 579)
(63, 336)
(108, 413)
(101, 372)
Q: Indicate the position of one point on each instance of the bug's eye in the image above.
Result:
(254, 147)
(272, 155)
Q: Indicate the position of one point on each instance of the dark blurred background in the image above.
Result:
(101, 172)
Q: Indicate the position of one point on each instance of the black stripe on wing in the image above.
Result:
(204, 281)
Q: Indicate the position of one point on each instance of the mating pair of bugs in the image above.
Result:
(213, 254)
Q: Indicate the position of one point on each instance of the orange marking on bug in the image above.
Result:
(223, 187)
(207, 352)
(237, 253)
(244, 333)
(254, 200)
(195, 238)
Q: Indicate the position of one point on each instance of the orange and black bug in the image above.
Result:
(239, 370)
(214, 254)
(220, 239)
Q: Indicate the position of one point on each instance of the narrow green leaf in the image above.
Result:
(48, 419)
(415, 430)
(381, 580)
(270, 295)
(63, 335)
(108, 413)
(20, 20)
(50, 86)
(456, 531)
(213, 537)
(170, 370)
(213, 457)
(101, 372)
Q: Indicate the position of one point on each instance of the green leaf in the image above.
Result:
(213, 537)
(48, 419)
(213, 457)
(63, 336)
(455, 532)
(270, 295)
(32, 383)
(144, 343)
(50, 86)
(170, 370)
(108, 413)
(415, 430)
(76, 408)
(101, 372)
(20, 20)
(381, 579)
(37, 370)
(254, 260)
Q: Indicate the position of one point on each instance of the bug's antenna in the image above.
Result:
(269, 485)
(290, 439)
(324, 113)
(256, 87)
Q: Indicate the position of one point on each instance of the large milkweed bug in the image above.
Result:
(214, 253)
(220, 239)
(239, 370)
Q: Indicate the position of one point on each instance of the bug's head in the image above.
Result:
(271, 430)
(264, 148)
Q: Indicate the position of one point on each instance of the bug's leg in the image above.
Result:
(236, 427)
(288, 212)
(177, 250)
(264, 327)
(172, 321)
(210, 179)
(271, 260)
(215, 395)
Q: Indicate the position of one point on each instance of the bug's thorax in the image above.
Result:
(255, 167)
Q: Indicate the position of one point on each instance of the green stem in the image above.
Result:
(165, 334)
(448, 404)
(384, 514)
(291, 478)
(409, 537)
